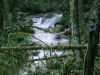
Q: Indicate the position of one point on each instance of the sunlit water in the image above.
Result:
(46, 38)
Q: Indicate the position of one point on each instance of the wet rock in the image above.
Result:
(57, 29)
(58, 37)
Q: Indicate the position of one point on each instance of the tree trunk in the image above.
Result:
(6, 12)
(97, 5)
(14, 8)
(1, 14)
(81, 19)
(92, 47)
(93, 41)
(74, 19)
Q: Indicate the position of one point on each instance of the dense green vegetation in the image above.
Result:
(14, 29)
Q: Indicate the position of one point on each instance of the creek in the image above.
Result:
(43, 39)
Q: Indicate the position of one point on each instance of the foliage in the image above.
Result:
(42, 6)
(65, 20)
(17, 39)
(11, 61)
(71, 66)
(2, 38)
(15, 34)
(88, 4)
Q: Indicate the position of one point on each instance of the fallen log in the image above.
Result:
(45, 47)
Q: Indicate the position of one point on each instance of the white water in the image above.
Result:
(48, 38)
(48, 22)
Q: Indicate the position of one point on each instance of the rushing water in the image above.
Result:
(45, 37)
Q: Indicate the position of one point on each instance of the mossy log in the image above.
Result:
(82, 47)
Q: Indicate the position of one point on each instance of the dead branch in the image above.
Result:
(66, 30)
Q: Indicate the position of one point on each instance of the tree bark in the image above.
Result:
(93, 41)
(92, 47)
(14, 8)
(74, 19)
(1, 14)
(81, 19)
